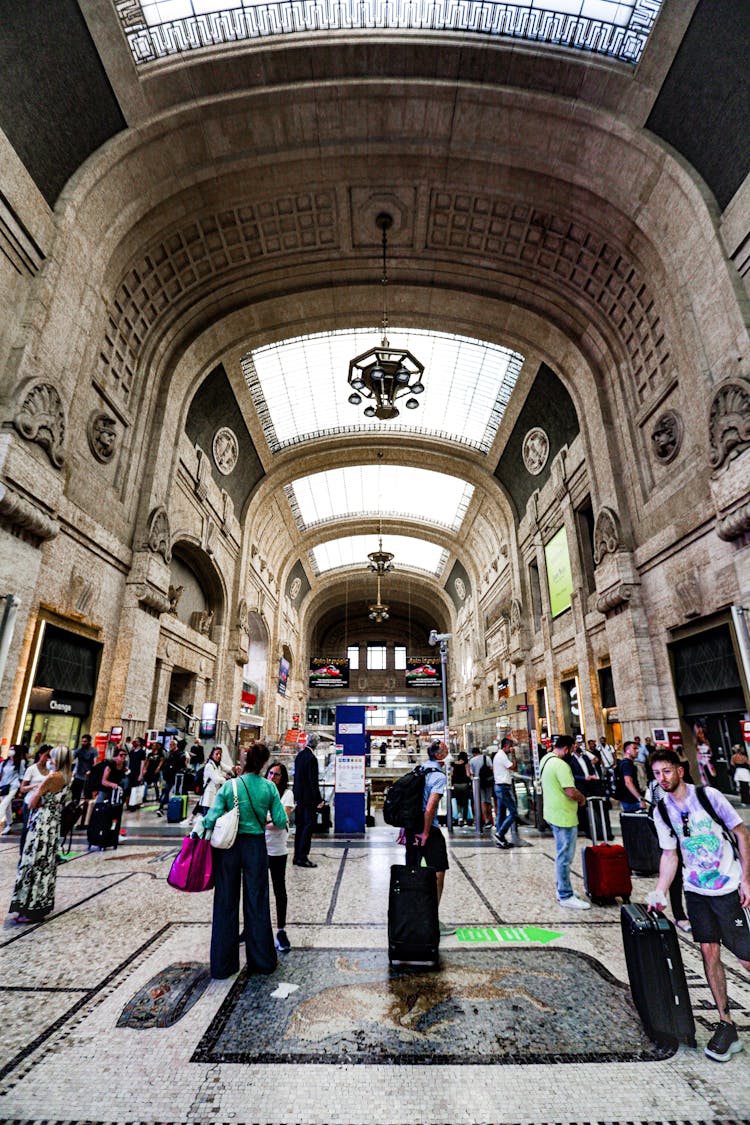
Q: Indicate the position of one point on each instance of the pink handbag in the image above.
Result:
(192, 869)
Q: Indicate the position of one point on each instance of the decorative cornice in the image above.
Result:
(25, 517)
(151, 599)
(617, 597)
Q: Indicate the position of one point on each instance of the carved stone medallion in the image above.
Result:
(535, 450)
(460, 587)
(295, 588)
(226, 450)
(41, 418)
(606, 534)
(102, 434)
(729, 421)
(158, 536)
(666, 437)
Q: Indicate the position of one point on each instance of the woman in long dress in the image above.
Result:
(34, 892)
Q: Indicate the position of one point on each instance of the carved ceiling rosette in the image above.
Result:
(41, 418)
(729, 421)
(607, 537)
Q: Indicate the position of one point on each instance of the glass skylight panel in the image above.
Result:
(352, 551)
(380, 490)
(157, 29)
(300, 390)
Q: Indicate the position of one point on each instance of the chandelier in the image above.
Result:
(384, 374)
(381, 562)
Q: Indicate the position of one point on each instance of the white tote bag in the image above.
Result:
(137, 793)
(225, 829)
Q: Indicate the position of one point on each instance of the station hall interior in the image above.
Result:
(325, 328)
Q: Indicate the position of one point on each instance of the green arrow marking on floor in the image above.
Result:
(506, 934)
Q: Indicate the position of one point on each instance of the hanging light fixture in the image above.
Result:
(383, 375)
(381, 562)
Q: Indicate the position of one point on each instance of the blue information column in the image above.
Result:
(349, 805)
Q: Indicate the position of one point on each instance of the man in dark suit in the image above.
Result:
(308, 799)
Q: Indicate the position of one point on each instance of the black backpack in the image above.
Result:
(403, 800)
(486, 773)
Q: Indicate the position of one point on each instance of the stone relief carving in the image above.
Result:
(295, 588)
(243, 616)
(175, 593)
(151, 599)
(101, 432)
(25, 519)
(158, 537)
(460, 587)
(226, 450)
(82, 591)
(202, 474)
(666, 437)
(227, 508)
(208, 542)
(735, 525)
(606, 534)
(516, 609)
(614, 599)
(41, 418)
(202, 621)
(729, 421)
(535, 450)
(689, 596)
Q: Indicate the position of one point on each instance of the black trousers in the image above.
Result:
(244, 865)
(304, 822)
(277, 867)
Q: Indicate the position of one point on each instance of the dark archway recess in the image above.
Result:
(349, 624)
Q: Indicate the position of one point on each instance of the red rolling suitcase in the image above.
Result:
(606, 871)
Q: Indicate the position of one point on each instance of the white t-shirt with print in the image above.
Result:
(276, 838)
(710, 867)
(501, 767)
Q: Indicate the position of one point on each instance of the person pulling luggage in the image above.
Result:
(429, 844)
(715, 848)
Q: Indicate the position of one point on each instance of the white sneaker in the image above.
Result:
(574, 903)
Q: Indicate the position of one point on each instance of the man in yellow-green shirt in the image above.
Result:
(561, 801)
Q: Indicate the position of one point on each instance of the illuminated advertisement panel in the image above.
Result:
(422, 673)
(325, 673)
(283, 676)
(559, 576)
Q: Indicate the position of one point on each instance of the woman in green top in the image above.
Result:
(246, 862)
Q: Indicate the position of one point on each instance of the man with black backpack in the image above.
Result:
(715, 849)
(481, 767)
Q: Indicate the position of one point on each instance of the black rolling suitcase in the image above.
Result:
(657, 976)
(640, 842)
(413, 925)
(103, 829)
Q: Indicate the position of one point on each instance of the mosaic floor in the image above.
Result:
(109, 1016)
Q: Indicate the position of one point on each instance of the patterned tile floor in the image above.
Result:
(117, 925)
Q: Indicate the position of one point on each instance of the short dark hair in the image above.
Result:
(506, 742)
(665, 755)
(563, 740)
(630, 742)
(433, 749)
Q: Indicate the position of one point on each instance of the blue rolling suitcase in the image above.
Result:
(178, 801)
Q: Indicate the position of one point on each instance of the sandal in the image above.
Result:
(684, 925)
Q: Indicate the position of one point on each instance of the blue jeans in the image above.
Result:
(565, 842)
(507, 813)
(630, 806)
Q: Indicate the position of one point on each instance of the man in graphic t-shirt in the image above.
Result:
(715, 849)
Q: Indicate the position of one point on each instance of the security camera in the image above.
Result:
(435, 636)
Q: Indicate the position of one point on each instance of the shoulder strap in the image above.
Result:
(661, 806)
(705, 803)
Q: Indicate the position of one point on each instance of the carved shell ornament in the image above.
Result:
(535, 450)
(226, 450)
(41, 418)
(102, 434)
(158, 536)
(729, 421)
(606, 534)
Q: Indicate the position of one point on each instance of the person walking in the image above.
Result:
(561, 800)
(244, 865)
(307, 799)
(276, 846)
(429, 844)
(34, 891)
(627, 790)
(152, 769)
(84, 757)
(213, 779)
(173, 764)
(13, 769)
(503, 765)
(481, 766)
(714, 843)
(741, 763)
(461, 786)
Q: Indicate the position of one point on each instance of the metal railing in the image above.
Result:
(236, 24)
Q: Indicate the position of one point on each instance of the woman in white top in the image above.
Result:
(35, 774)
(276, 844)
(213, 779)
(11, 772)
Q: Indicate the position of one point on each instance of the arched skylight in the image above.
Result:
(408, 551)
(362, 490)
(157, 29)
(300, 391)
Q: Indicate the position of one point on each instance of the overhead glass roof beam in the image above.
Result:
(352, 551)
(375, 491)
(159, 29)
(300, 391)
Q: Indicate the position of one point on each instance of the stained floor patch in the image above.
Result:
(482, 1006)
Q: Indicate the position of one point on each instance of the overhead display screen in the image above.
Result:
(422, 673)
(284, 667)
(325, 673)
(559, 575)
